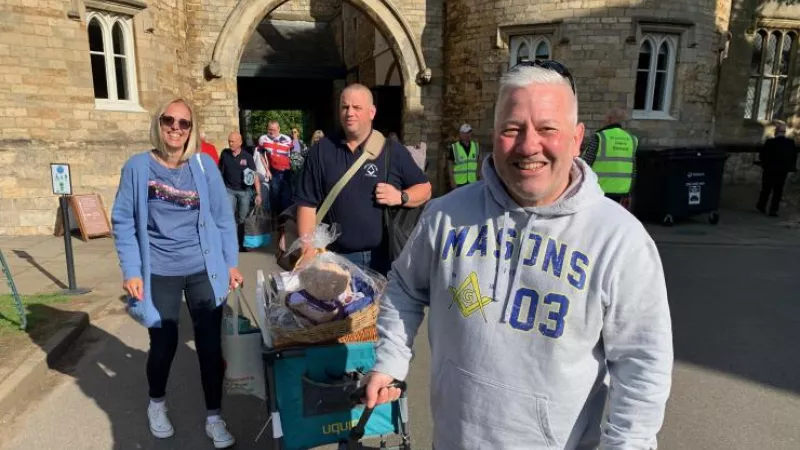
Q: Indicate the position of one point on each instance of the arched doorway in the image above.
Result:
(298, 59)
(248, 15)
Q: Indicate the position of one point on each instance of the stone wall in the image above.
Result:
(745, 18)
(599, 42)
(215, 98)
(47, 105)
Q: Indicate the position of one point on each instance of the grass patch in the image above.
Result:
(9, 317)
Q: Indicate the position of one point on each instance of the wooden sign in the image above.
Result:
(91, 215)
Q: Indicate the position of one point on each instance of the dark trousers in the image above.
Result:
(167, 292)
(772, 182)
(280, 191)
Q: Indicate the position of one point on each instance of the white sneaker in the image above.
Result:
(160, 425)
(218, 432)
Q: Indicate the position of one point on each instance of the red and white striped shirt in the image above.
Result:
(277, 150)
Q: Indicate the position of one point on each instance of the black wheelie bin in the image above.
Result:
(674, 184)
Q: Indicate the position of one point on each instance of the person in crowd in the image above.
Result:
(778, 158)
(358, 210)
(208, 148)
(238, 170)
(175, 237)
(463, 159)
(298, 157)
(611, 153)
(538, 289)
(277, 148)
(298, 145)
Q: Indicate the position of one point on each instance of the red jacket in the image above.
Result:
(209, 149)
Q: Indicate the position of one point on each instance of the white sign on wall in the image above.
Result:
(62, 183)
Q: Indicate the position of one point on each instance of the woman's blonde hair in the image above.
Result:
(192, 143)
(318, 135)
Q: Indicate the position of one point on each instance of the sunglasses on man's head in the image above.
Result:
(168, 121)
(549, 64)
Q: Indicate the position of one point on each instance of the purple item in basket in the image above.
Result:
(312, 309)
(357, 305)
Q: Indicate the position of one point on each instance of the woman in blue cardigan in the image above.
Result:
(175, 237)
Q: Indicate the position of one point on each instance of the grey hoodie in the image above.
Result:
(530, 309)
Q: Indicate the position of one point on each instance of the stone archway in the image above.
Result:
(233, 37)
(247, 14)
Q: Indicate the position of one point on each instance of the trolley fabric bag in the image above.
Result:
(312, 385)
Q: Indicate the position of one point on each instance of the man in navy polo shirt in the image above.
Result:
(358, 210)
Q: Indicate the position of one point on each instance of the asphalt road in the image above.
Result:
(736, 382)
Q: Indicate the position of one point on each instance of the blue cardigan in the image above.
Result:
(218, 239)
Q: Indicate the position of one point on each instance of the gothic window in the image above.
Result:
(529, 48)
(112, 60)
(769, 74)
(655, 73)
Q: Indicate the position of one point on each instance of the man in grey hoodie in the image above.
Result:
(539, 289)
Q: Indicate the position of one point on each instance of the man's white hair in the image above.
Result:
(525, 76)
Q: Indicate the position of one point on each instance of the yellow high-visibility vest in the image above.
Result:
(465, 165)
(614, 162)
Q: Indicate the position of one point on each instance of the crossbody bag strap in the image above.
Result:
(386, 165)
(372, 149)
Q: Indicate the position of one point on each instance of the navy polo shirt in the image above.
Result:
(232, 169)
(359, 217)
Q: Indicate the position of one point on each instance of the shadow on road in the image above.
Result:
(735, 310)
(112, 374)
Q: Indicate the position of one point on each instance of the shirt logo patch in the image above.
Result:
(371, 170)
(468, 297)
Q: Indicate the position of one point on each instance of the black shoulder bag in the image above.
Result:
(399, 221)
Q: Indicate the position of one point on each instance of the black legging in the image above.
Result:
(167, 292)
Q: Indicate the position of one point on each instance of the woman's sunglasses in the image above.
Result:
(168, 121)
(555, 66)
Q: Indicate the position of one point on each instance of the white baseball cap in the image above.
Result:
(465, 128)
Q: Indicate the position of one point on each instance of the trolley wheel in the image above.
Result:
(668, 221)
(713, 218)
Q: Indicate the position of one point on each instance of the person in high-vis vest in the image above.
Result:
(463, 159)
(611, 153)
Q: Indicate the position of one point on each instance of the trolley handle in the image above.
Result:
(361, 392)
(358, 431)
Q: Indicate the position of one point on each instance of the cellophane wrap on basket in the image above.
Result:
(325, 298)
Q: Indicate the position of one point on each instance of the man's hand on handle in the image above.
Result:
(378, 390)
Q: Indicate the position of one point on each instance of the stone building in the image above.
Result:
(79, 78)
